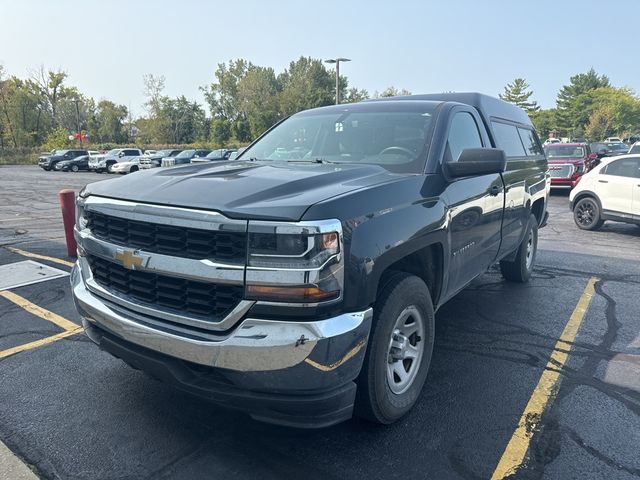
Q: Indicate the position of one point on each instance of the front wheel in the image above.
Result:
(586, 214)
(399, 352)
(74, 168)
(133, 169)
(520, 269)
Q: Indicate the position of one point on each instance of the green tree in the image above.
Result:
(355, 95)
(544, 121)
(618, 106)
(391, 92)
(109, 121)
(601, 122)
(519, 94)
(50, 85)
(258, 99)
(223, 94)
(57, 139)
(305, 84)
(570, 115)
(220, 132)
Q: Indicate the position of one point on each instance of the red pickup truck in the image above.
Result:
(568, 162)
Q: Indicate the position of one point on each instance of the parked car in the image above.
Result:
(74, 165)
(609, 149)
(48, 162)
(611, 191)
(128, 166)
(550, 141)
(635, 148)
(235, 154)
(568, 162)
(613, 140)
(112, 157)
(632, 139)
(155, 160)
(149, 153)
(220, 154)
(302, 284)
(185, 157)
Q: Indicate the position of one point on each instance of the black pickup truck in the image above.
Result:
(48, 162)
(299, 282)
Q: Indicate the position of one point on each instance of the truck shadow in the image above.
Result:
(487, 360)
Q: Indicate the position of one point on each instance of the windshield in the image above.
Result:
(186, 154)
(216, 154)
(564, 151)
(393, 137)
(60, 152)
(115, 151)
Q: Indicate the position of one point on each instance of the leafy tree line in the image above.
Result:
(587, 107)
(244, 100)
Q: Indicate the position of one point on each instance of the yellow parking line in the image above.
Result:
(24, 253)
(38, 311)
(545, 391)
(38, 343)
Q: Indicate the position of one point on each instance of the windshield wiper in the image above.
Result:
(311, 160)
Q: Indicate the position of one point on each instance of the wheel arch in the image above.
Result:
(427, 263)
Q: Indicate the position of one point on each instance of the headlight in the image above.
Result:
(299, 263)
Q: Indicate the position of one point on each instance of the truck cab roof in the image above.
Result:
(488, 106)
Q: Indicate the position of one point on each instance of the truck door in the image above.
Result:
(475, 206)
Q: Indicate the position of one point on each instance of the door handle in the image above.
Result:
(495, 190)
(603, 181)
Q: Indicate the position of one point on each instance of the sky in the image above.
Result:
(424, 46)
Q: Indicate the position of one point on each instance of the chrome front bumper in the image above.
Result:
(299, 354)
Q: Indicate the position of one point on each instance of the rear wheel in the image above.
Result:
(520, 269)
(586, 214)
(133, 169)
(399, 352)
(74, 168)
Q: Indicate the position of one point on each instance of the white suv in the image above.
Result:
(611, 191)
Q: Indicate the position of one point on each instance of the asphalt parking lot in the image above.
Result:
(551, 367)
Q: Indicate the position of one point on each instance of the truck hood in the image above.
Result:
(237, 189)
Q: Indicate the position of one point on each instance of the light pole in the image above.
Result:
(337, 62)
(76, 101)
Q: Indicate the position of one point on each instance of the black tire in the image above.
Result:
(520, 269)
(74, 168)
(133, 169)
(586, 214)
(375, 399)
(109, 167)
(47, 169)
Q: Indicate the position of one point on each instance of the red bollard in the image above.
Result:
(68, 205)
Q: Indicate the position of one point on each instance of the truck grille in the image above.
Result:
(177, 294)
(561, 170)
(182, 242)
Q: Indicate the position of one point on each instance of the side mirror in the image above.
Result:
(121, 154)
(477, 161)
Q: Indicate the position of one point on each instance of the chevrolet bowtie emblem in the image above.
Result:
(129, 259)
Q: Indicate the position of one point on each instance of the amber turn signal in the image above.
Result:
(290, 294)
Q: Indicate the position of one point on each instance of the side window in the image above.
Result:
(627, 167)
(463, 134)
(530, 141)
(507, 139)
